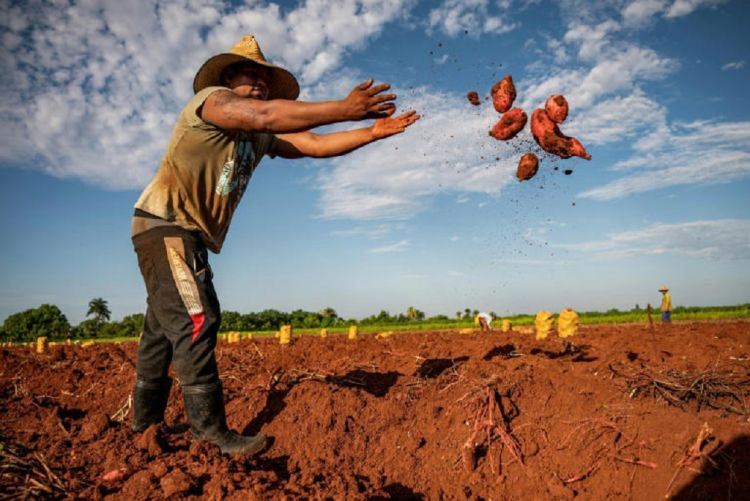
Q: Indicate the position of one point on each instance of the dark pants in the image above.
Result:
(182, 318)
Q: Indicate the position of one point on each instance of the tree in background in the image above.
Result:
(47, 320)
(98, 307)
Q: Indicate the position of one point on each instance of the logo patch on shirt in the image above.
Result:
(226, 182)
(236, 172)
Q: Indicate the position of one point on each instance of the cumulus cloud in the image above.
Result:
(720, 239)
(639, 12)
(92, 88)
(733, 65)
(701, 152)
(456, 17)
(397, 178)
(684, 7)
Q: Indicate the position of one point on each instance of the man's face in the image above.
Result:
(249, 80)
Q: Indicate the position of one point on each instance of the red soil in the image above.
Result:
(388, 419)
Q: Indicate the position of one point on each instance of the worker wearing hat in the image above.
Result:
(666, 305)
(244, 108)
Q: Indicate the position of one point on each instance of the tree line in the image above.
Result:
(47, 320)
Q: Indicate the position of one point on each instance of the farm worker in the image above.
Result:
(484, 320)
(244, 107)
(666, 305)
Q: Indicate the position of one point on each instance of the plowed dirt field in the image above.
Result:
(624, 412)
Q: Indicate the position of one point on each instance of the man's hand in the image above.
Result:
(385, 127)
(366, 101)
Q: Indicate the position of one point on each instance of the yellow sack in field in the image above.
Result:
(323, 332)
(233, 337)
(383, 335)
(285, 334)
(506, 325)
(567, 323)
(41, 344)
(353, 332)
(543, 324)
(466, 331)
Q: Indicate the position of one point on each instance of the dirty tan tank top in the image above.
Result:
(204, 174)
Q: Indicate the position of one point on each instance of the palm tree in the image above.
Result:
(411, 313)
(98, 308)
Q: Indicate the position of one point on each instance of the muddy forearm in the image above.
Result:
(340, 143)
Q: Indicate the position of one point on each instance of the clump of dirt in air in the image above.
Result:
(509, 125)
(557, 108)
(503, 94)
(473, 97)
(527, 167)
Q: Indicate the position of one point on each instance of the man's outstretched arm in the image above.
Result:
(309, 144)
(227, 110)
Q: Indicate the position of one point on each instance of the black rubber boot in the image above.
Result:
(204, 405)
(149, 402)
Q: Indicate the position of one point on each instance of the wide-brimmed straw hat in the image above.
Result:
(663, 288)
(283, 85)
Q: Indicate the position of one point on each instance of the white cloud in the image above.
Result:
(684, 7)
(721, 239)
(733, 65)
(398, 177)
(400, 246)
(457, 17)
(695, 153)
(92, 89)
(639, 12)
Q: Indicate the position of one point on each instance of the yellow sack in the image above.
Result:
(233, 337)
(323, 332)
(353, 332)
(41, 344)
(466, 331)
(506, 325)
(567, 323)
(543, 324)
(285, 334)
(384, 334)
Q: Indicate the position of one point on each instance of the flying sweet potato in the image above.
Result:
(509, 125)
(527, 167)
(548, 136)
(473, 97)
(503, 94)
(557, 108)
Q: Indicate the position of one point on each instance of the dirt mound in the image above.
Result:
(391, 418)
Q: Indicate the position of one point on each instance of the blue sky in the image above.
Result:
(433, 218)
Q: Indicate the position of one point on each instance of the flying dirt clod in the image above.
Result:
(473, 97)
(509, 125)
(503, 94)
(548, 136)
(527, 167)
(557, 108)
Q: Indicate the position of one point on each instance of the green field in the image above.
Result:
(588, 317)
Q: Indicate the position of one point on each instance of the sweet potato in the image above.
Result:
(557, 108)
(548, 136)
(473, 97)
(509, 125)
(527, 167)
(503, 94)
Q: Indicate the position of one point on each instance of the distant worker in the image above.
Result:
(666, 305)
(484, 320)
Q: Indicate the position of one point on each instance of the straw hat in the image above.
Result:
(663, 288)
(283, 85)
